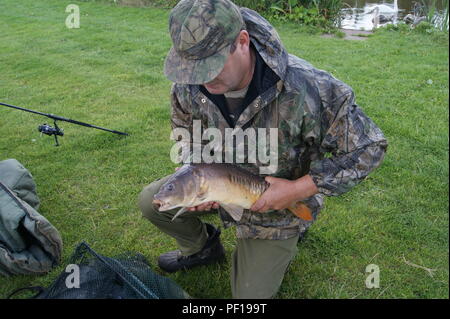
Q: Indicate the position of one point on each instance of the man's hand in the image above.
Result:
(282, 193)
(204, 206)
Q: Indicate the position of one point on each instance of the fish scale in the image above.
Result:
(255, 187)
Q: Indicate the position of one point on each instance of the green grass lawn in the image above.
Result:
(110, 73)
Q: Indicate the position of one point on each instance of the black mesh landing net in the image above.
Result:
(123, 277)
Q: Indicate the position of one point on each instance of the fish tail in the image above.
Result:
(301, 210)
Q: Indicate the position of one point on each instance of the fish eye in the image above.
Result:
(170, 187)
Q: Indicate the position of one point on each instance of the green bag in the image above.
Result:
(29, 243)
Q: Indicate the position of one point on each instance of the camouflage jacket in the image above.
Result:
(321, 131)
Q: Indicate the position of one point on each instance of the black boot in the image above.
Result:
(302, 236)
(212, 252)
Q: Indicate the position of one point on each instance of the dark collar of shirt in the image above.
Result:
(263, 79)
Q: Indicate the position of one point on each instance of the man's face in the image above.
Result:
(228, 79)
(235, 70)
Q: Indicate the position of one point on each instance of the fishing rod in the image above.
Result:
(56, 131)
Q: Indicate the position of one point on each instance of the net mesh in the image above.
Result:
(127, 276)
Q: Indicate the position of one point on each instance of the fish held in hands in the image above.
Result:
(233, 187)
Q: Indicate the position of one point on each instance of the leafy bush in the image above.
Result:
(299, 14)
(429, 9)
(319, 13)
(324, 14)
(425, 27)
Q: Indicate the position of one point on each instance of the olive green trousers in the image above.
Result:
(258, 265)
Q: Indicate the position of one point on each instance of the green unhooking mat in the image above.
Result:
(29, 243)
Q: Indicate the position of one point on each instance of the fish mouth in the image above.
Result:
(162, 205)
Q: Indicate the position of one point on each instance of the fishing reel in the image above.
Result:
(49, 130)
(56, 131)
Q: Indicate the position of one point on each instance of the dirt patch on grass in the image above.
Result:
(349, 34)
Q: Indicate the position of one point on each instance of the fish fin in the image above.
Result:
(181, 211)
(301, 210)
(235, 211)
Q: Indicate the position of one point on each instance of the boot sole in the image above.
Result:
(219, 260)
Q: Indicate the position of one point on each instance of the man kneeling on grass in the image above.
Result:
(230, 70)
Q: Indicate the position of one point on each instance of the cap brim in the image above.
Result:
(189, 71)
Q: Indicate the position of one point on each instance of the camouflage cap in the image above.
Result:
(202, 32)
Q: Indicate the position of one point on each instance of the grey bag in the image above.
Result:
(29, 243)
